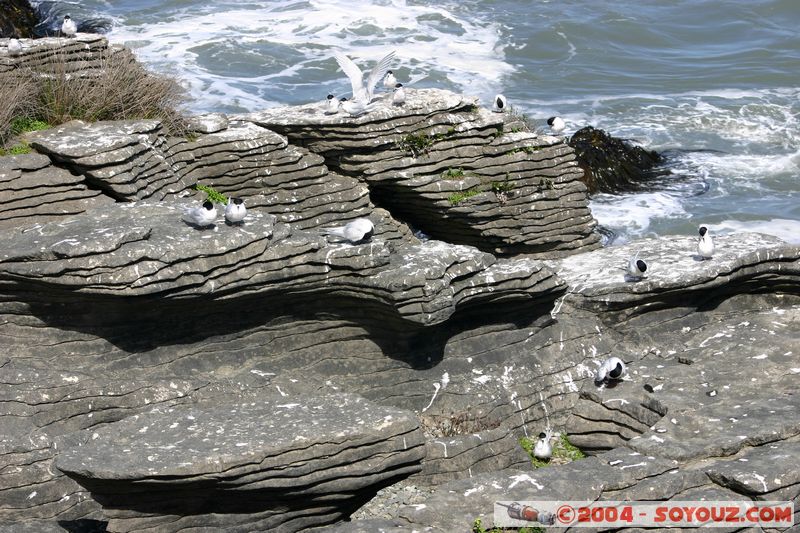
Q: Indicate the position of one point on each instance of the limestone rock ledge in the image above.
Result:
(283, 462)
(32, 189)
(456, 171)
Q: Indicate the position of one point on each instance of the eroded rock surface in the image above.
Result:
(454, 170)
(283, 462)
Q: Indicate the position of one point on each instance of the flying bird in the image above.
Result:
(201, 216)
(355, 231)
(612, 368)
(68, 27)
(500, 104)
(363, 92)
(557, 124)
(705, 246)
(14, 47)
(543, 450)
(399, 96)
(235, 211)
(390, 82)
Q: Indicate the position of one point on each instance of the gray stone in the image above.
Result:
(276, 463)
(457, 172)
(34, 191)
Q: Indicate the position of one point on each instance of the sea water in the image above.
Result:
(713, 84)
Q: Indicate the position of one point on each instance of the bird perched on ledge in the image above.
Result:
(705, 246)
(557, 124)
(202, 216)
(636, 268)
(14, 47)
(612, 369)
(358, 230)
(543, 449)
(68, 27)
(399, 96)
(235, 211)
(500, 104)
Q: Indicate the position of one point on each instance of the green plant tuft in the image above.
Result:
(213, 195)
(478, 527)
(25, 124)
(17, 149)
(453, 174)
(458, 197)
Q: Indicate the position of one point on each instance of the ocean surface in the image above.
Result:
(714, 84)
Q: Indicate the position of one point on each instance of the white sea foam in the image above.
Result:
(788, 230)
(633, 214)
(281, 47)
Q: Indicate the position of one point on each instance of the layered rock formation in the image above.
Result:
(456, 171)
(81, 55)
(296, 376)
(282, 463)
(32, 190)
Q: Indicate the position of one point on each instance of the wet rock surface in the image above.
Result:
(611, 164)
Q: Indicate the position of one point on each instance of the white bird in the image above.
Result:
(332, 105)
(14, 47)
(354, 231)
(390, 82)
(636, 267)
(557, 124)
(399, 96)
(500, 104)
(235, 211)
(68, 27)
(353, 107)
(362, 92)
(612, 368)
(202, 216)
(543, 450)
(705, 246)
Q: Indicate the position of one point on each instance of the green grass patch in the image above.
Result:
(213, 195)
(453, 174)
(26, 124)
(17, 149)
(563, 451)
(458, 197)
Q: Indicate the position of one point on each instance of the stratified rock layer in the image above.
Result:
(282, 463)
(454, 170)
(33, 190)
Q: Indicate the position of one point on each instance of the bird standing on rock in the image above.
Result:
(360, 229)
(353, 107)
(68, 27)
(390, 82)
(500, 104)
(636, 267)
(543, 450)
(235, 211)
(14, 47)
(202, 216)
(557, 124)
(612, 368)
(399, 96)
(705, 246)
(332, 105)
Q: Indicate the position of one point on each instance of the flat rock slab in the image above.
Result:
(278, 462)
(598, 279)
